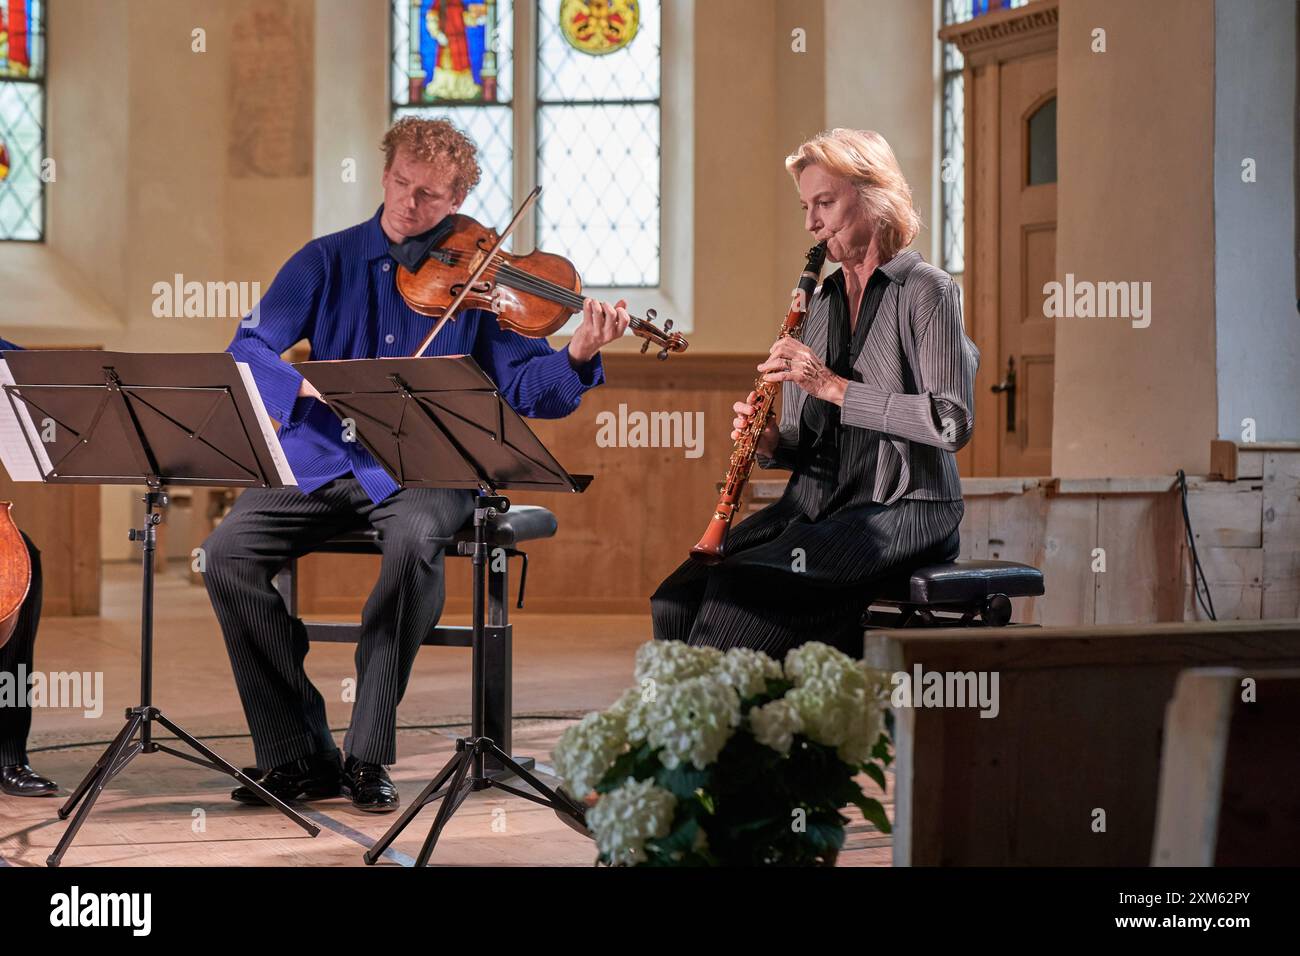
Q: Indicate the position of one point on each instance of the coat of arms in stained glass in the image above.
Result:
(599, 26)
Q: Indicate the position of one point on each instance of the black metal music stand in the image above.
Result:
(156, 420)
(441, 423)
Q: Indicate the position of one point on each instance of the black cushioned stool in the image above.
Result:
(957, 594)
(505, 532)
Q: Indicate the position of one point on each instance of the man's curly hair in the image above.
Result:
(435, 141)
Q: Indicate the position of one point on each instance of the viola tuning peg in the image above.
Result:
(668, 325)
(663, 354)
(645, 345)
(650, 315)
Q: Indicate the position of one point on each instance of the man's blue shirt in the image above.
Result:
(339, 292)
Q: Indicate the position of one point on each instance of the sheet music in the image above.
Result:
(15, 453)
(268, 432)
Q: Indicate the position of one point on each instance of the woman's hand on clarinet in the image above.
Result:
(767, 441)
(602, 323)
(792, 361)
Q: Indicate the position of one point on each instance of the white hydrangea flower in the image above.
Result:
(815, 659)
(747, 670)
(775, 724)
(623, 819)
(666, 662)
(588, 749)
(840, 712)
(839, 701)
(691, 720)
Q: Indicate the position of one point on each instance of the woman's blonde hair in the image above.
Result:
(435, 141)
(863, 157)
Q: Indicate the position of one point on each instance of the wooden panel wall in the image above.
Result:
(1248, 535)
(63, 522)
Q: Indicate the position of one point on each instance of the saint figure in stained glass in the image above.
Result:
(18, 22)
(454, 42)
(599, 26)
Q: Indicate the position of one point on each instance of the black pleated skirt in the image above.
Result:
(804, 568)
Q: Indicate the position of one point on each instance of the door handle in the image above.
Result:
(1008, 385)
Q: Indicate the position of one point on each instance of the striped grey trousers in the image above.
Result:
(788, 579)
(266, 528)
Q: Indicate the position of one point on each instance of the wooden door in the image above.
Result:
(1009, 78)
(1027, 206)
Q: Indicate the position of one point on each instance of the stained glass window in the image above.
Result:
(22, 119)
(593, 113)
(454, 59)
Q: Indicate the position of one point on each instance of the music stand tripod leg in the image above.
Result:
(419, 803)
(450, 801)
(558, 802)
(90, 788)
(222, 764)
(70, 804)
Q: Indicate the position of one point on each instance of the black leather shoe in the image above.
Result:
(312, 778)
(20, 780)
(369, 786)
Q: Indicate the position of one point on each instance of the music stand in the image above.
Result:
(130, 419)
(441, 423)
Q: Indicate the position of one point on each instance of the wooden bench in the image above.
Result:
(1230, 772)
(1075, 744)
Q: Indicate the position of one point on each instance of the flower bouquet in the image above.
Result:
(730, 758)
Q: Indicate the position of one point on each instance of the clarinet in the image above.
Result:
(711, 548)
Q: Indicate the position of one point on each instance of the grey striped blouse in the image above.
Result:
(917, 330)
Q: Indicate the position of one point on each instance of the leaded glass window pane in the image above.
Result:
(599, 168)
(22, 115)
(952, 161)
(952, 175)
(491, 202)
(957, 11)
(1042, 144)
(598, 152)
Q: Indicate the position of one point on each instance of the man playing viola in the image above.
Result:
(339, 293)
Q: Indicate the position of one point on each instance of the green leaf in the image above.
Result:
(638, 764)
(875, 773)
(680, 840)
(882, 750)
(825, 836)
(683, 780)
(874, 813)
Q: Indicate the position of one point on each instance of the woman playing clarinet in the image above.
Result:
(877, 396)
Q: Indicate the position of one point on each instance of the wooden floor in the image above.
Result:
(162, 811)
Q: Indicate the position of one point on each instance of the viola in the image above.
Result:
(532, 294)
(15, 572)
